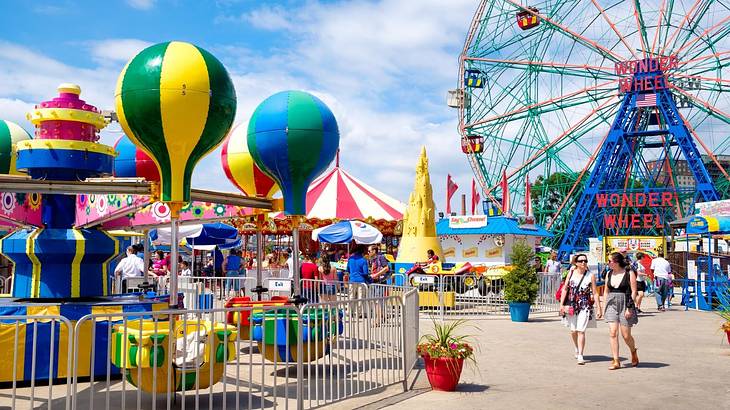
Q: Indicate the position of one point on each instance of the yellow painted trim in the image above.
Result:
(105, 265)
(35, 284)
(66, 114)
(76, 263)
(184, 103)
(66, 144)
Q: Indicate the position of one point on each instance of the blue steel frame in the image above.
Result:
(623, 151)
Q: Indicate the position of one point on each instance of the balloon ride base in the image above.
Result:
(22, 336)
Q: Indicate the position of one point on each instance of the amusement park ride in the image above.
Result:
(598, 102)
(176, 103)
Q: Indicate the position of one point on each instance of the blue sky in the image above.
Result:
(383, 67)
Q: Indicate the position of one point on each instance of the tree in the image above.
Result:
(521, 284)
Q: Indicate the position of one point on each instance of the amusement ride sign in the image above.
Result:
(628, 201)
(648, 65)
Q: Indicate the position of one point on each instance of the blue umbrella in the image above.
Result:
(205, 234)
(348, 231)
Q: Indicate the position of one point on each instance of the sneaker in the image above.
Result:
(575, 355)
(580, 359)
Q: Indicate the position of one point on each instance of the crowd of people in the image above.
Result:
(363, 265)
(618, 302)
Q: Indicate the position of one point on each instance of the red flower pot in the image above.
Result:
(443, 372)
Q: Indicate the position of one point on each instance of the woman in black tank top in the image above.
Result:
(619, 307)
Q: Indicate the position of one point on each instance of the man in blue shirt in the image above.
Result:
(357, 266)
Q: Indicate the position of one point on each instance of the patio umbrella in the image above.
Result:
(347, 231)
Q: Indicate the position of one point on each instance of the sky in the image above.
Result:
(383, 68)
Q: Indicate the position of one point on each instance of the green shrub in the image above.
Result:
(521, 284)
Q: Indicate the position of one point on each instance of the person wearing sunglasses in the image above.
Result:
(576, 304)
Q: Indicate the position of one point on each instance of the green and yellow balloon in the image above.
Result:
(177, 103)
(10, 134)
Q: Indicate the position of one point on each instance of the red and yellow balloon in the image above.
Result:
(240, 168)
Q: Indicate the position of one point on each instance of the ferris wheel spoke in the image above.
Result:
(705, 33)
(703, 105)
(557, 102)
(641, 28)
(707, 44)
(615, 30)
(676, 31)
(586, 42)
(578, 70)
(708, 151)
(586, 120)
(720, 56)
(692, 28)
(658, 27)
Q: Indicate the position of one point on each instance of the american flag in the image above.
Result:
(646, 100)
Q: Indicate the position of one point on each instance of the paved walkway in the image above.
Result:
(685, 363)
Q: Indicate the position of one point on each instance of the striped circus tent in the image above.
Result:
(337, 194)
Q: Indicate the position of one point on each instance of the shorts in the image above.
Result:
(329, 289)
(640, 286)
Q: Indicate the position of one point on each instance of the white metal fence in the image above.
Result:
(466, 295)
(49, 338)
(262, 355)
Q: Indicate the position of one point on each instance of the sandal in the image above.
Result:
(615, 364)
(634, 358)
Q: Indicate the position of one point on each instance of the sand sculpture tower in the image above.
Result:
(419, 222)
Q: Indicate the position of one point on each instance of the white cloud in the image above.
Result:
(141, 4)
(383, 68)
(268, 18)
(115, 51)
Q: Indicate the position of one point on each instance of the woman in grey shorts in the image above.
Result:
(619, 310)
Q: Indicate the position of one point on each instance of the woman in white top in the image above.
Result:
(579, 294)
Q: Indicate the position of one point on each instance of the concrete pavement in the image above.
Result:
(685, 363)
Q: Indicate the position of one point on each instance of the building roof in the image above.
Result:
(496, 225)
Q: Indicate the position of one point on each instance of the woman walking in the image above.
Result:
(620, 295)
(576, 304)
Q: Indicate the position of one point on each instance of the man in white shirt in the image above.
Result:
(662, 280)
(553, 265)
(130, 267)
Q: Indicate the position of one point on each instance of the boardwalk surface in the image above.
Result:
(685, 363)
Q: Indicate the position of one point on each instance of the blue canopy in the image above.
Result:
(496, 225)
(347, 231)
(708, 224)
(205, 234)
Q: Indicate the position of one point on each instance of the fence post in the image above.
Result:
(441, 296)
(300, 364)
(404, 338)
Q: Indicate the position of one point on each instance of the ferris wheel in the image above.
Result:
(539, 87)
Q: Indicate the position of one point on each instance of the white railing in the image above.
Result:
(470, 294)
(38, 349)
(252, 355)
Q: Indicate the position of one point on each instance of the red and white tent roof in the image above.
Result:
(337, 194)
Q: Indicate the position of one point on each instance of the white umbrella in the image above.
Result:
(347, 231)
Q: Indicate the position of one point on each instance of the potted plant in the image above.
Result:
(521, 284)
(444, 353)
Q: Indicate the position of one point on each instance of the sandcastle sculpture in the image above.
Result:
(419, 222)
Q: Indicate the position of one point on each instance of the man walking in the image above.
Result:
(553, 265)
(662, 280)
